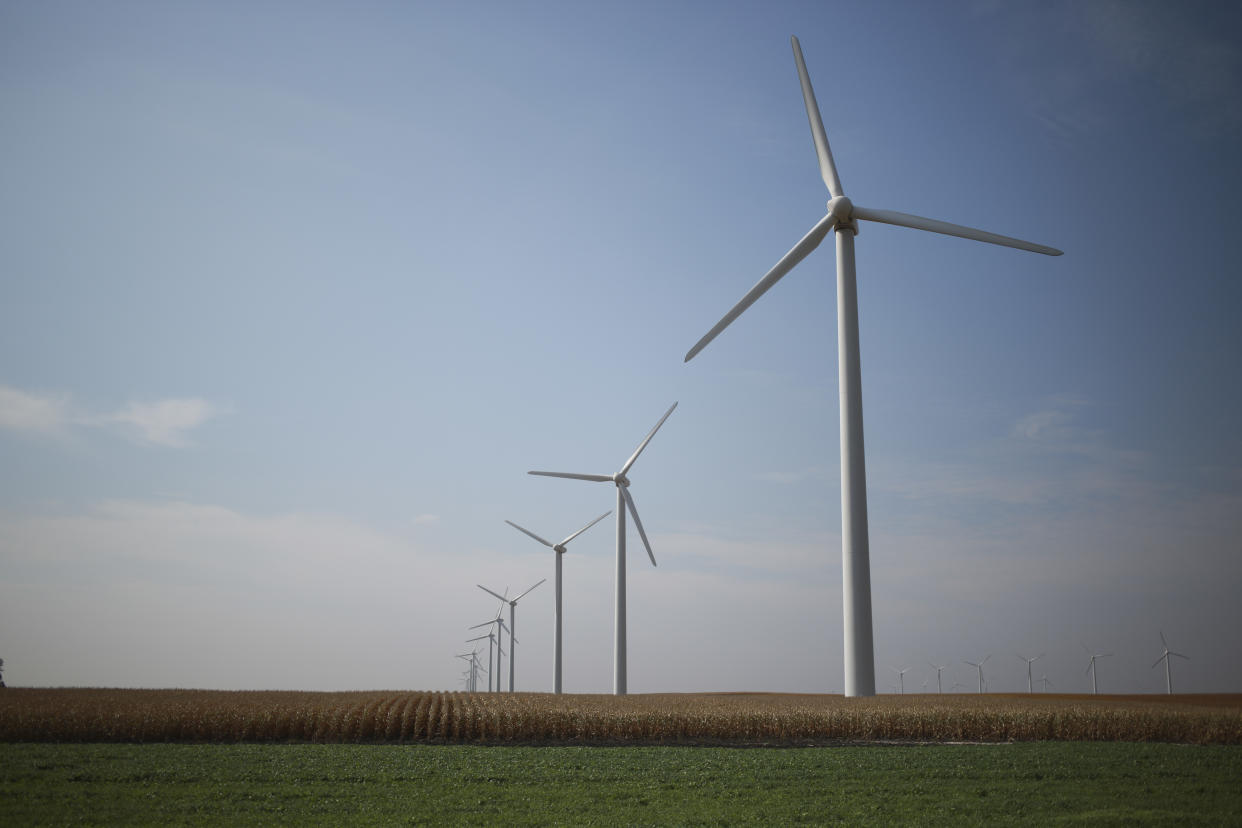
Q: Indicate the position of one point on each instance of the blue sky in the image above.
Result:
(295, 294)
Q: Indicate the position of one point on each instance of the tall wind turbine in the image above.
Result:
(979, 666)
(559, 549)
(937, 668)
(512, 602)
(1168, 676)
(1091, 669)
(1030, 685)
(1044, 679)
(843, 216)
(624, 501)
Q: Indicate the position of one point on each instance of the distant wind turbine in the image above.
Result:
(491, 645)
(1030, 687)
(843, 216)
(1091, 668)
(500, 641)
(624, 501)
(937, 668)
(512, 602)
(559, 549)
(1044, 679)
(979, 666)
(901, 674)
(1168, 675)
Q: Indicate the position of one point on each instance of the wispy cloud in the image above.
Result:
(165, 422)
(23, 411)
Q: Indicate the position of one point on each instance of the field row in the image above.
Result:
(88, 715)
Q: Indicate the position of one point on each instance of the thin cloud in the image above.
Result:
(165, 422)
(21, 411)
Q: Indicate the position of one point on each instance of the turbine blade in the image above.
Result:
(478, 637)
(799, 252)
(826, 168)
(629, 501)
(935, 226)
(646, 440)
(1179, 655)
(489, 592)
(1162, 641)
(524, 594)
(1162, 658)
(484, 624)
(598, 478)
(584, 528)
(528, 532)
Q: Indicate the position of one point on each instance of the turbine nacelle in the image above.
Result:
(621, 480)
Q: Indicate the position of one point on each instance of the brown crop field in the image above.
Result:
(105, 715)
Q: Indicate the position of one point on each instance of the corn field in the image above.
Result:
(104, 715)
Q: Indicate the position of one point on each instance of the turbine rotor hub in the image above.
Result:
(842, 209)
(621, 480)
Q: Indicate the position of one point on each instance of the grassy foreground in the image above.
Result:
(1096, 783)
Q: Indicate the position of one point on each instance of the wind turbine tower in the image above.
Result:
(843, 217)
(979, 666)
(1091, 669)
(937, 668)
(1030, 686)
(624, 501)
(901, 674)
(1168, 675)
(559, 549)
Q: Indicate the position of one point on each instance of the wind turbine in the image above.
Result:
(512, 602)
(1091, 668)
(1044, 679)
(624, 501)
(500, 641)
(491, 645)
(1030, 687)
(902, 675)
(843, 217)
(559, 549)
(937, 668)
(1168, 676)
(979, 666)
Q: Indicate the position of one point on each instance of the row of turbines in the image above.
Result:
(842, 220)
(1030, 677)
(625, 502)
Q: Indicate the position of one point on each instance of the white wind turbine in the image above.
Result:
(624, 501)
(1044, 679)
(1030, 686)
(937, 668)
(491, 648)
(1168, 676)
(512, 602)
(979, 666)
(500, 643)
(843, 217)
(902, 675)
(559, 549)
(1091, 667)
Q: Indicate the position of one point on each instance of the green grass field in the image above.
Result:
(172, 784)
